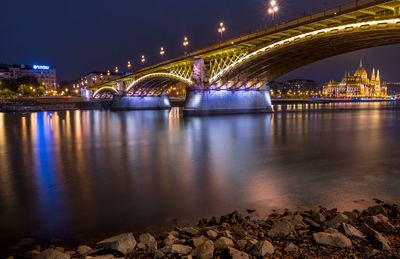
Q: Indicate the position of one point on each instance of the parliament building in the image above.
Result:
(358, 85)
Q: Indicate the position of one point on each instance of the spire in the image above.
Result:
(361, 64)
(373, 75)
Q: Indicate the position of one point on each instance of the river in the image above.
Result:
(86, 173)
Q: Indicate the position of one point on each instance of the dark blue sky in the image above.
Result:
(78, 36)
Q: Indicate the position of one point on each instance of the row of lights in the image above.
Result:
(273, 8)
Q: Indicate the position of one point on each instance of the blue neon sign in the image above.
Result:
(41, 67)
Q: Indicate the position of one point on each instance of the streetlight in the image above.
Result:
(162, 51)
(143, 59)
(185, 43)
(273, 8)
(221, 29)
(116, 70)
(129, 64)
(108, 73)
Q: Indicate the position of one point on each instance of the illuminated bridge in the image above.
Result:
(232, 77)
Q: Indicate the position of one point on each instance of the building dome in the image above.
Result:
(361, 72)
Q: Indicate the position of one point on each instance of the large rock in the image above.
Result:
(318, 216)
(170, 240)
(100, 257)
(223, 242)
(211, 233)
(291, 248)
(262, 248)
(336, 221)
(236, 254)
(191, 231)
(157, 254)
(376, 210)
(380, 223)
(177, 249)
(123, 243)
(148, 240)
(51, 254)
(332, 239)
(205, 250)
(281, 229)
(350, 231)
(85, 250)
(198, 241)
(377, 239)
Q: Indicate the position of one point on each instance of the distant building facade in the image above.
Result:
(44, 74)
(358, 85)
(295, 87)
(93, 78)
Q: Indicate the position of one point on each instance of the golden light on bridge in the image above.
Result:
(143, 59)
(221, 29)
(185, 43)
(129, 64)
(162, 51)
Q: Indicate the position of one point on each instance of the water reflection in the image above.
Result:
(90, 172)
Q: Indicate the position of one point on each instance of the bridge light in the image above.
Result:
(273, 8)
(185, 43)
(162, 51)
(129, 64)
(143, 59)
(116, 69)
(221, 29)
(108, 73)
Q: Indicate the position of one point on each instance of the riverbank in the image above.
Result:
(373, 232)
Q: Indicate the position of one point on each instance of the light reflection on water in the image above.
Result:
(91, 172)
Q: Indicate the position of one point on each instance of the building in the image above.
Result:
(44, 74)
(357, 85)
(295, 88)
(93, 78)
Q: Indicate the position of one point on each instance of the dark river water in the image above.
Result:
(95, 172)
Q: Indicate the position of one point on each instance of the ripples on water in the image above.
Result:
(91, 172)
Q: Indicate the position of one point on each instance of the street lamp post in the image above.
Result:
(221, 29)
(273, 9)
(129, 64)
(185, 43)
(116, 70)
(162, 51)
(143, 59)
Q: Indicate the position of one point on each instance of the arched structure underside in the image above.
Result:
(105, 92)
(288, 57)
(153, 86)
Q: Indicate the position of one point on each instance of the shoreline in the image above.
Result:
(322, 232)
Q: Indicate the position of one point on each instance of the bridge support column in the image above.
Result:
(213, 102)
(141, 103)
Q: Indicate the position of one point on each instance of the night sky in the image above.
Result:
(79, 36)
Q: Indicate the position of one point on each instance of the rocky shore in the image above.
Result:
(319, 233)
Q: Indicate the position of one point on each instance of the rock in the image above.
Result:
(312, 224)
(250, 211)
(350, 231)
(10, 257)
(214, 221)
(281, 229)
(51, 254)
(123, 243)
(335, 221)
(170, 240)
(26, 242)
(227, 233)
(236, 254)
(333, 239)
(202, 223)
(157, 254)
(318, 216)
(370, 252)
(60, 249)
(250, 244)
(212, 234)
(238, 231)
(241, 244)
(331, 231)
(177, 249)
(375, 210)
(380, 223)
(100, 257)
(187, 257)
(148, 240)
(141, 245)
(204, 251)
(71, 253)
(191, 231)
(351, 215)
(291, 248)
(223, 242)
(173, 233)
(377, 239)
(262, 248)
(31, 254)
(198, 241)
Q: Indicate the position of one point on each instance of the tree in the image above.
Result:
(25, 90)
(6, 92)
(40, 90)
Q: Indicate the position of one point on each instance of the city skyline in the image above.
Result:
(102, 44)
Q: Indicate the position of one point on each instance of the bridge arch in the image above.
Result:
(278, 58)
(155, 83)
(104, 89)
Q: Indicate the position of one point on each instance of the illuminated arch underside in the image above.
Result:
(155, 84)
(277, 59)
(105, 89)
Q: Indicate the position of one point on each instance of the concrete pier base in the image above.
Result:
(213, 102)
(140, 103)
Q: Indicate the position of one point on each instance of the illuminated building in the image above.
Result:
(45, 75)
(358, 85)
(93, 78)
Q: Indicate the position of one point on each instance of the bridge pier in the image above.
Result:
(140, 103)
(214, 102)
